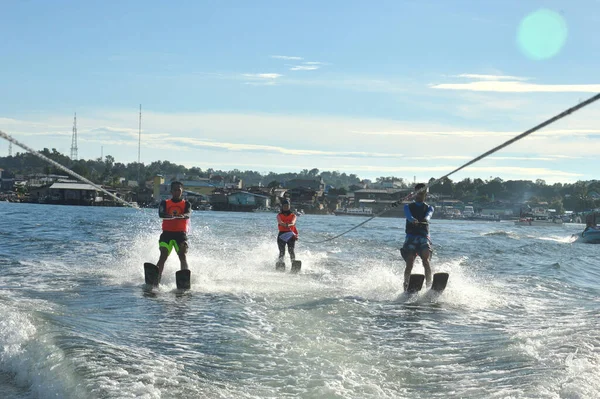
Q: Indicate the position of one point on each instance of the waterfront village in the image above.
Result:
(308, 195)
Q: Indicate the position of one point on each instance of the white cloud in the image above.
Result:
(307, 66)
(112, 130)
(304, 68)
(490, 77)
(353, 83)
(261, 79)
(262, 75)
(492, 157)
(286, 57)
(483, 133)
(529, 159)
(517, 87)
(11, 121)
(352, 145)
(47, 133)
(489, 170)
(430, 133)
(186, 141)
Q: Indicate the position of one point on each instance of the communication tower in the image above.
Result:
(74, 140)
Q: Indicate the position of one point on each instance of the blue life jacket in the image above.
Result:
(418, 212)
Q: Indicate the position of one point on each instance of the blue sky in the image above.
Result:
(412, 88)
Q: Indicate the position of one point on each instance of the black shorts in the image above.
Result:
(172, 239)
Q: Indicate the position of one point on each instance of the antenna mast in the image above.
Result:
(139, 141)
(140, 134)
(74, 140)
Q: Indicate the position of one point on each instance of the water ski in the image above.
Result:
(415, 283)
(280, 266)
(439, 282)
(151, 274)
(182, 277)
(296, 266)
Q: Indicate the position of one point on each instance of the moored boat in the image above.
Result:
(354, 212)
(538, 221)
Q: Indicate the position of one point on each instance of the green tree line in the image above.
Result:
(579, 196)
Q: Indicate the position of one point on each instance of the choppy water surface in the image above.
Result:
(519, 318)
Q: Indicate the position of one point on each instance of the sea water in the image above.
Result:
(519, 318)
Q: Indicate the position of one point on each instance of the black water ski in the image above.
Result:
(296, 266)
(439, 282)
(151, 274)
(183, 279)
(280, 266)
(415, 283)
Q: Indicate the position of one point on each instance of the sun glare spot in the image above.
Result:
(542, 34)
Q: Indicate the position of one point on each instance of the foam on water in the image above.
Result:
(29, 355)
(516, 320)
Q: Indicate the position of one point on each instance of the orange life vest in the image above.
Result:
(175, 208)
(283, 218)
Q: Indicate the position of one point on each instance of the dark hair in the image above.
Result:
(419, 188)
(285, 201)
(176, 183)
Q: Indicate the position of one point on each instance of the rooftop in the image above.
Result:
(74, 186)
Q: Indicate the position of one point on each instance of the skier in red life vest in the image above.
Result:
(175, 213)
(288, 234)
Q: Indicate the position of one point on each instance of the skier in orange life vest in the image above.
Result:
(288, 234)
(175, 213)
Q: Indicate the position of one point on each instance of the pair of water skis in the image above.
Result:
(296, 266)
(415, 283)
(182, 277)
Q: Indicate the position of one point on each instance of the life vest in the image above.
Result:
(418, 212)
(290, 218)
(175, 208)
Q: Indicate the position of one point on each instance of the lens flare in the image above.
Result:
(542, 34)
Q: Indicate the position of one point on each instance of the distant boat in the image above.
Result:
(539, 217)
(539, 221)
(354, 212)
(488, 218)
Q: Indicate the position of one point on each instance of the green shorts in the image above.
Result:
(172, 239)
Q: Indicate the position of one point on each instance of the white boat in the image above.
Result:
(468, 212)
(354, 212)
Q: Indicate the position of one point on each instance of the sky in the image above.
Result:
(404, 88)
